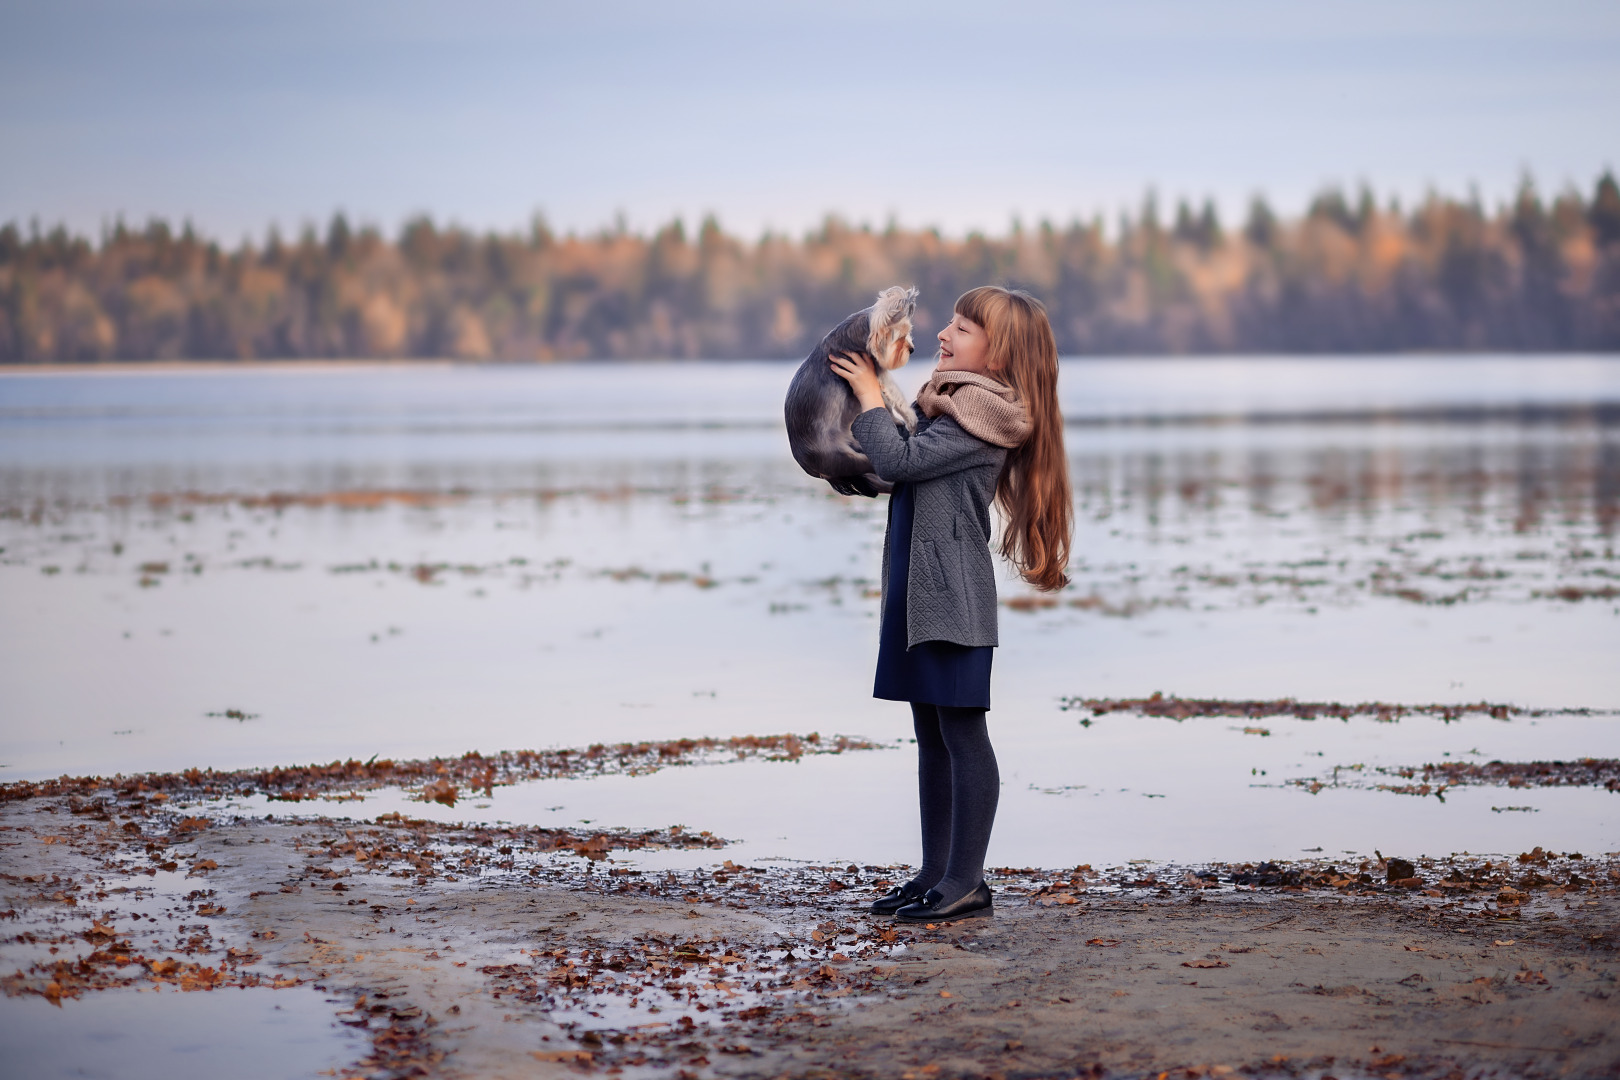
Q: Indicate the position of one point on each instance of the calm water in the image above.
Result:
(257, 1034)
(414, 561)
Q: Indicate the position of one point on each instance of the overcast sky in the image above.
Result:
(770, 115)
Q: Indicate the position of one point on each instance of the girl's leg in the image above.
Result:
(933, 795)
(975, 790)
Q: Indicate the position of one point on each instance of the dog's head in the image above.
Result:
(888, 335)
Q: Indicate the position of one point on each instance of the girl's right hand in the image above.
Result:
(861, 375)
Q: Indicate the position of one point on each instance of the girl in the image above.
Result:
(990, 429)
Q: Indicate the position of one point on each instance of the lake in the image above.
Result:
(274, 565)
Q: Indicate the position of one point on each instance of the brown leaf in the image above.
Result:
(440, 791)
(1205, 963)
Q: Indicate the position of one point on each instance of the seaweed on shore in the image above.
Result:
(438, 779)
(1177, 708)
(1436, 778)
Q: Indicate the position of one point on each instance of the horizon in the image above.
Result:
(1109, 227)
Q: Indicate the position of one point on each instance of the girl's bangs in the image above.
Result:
(982, 305)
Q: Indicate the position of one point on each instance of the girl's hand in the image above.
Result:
(861, 375)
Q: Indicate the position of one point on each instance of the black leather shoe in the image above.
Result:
(932, 907)
(895, 899)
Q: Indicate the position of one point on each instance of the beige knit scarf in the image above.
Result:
(985, 408)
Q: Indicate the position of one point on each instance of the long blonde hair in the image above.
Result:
(1033, 489)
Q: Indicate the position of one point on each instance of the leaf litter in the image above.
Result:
(443, 780)
(1178, 708)
(1438, 777)
(732, 969)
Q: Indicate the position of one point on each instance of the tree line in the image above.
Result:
(1350, 274)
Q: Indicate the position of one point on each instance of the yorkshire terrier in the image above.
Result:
(821, 407)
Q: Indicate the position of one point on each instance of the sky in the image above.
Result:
(238, 116)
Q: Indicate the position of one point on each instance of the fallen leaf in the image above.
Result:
(440, 791)
(1205, 963)
(1105, 942)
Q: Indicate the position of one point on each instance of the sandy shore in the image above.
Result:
(520, 952)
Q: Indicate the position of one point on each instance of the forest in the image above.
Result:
(1351, 274)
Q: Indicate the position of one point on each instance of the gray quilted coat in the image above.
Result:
(951, 594)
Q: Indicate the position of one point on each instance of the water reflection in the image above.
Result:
(1525, 472)
(520, 559)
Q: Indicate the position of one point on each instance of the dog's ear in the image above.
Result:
(890, 317)
(893, 305)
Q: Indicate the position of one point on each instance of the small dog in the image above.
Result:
(821, 407)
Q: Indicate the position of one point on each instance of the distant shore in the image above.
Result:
(1351, 274)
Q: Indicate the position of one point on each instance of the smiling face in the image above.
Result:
(964, 346)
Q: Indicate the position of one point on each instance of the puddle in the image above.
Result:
(1123, 787)
(256, 1034)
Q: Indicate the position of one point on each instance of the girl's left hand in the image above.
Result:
(861, 375)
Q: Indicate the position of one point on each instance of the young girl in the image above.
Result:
(990, 429)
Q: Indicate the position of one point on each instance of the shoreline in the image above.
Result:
(466, 950)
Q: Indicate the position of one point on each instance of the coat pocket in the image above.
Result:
(936, 568)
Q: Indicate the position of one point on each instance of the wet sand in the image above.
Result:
(482, 951)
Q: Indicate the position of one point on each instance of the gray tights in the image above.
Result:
(958, 786)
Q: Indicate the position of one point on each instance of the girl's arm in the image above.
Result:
(942, 448)
(935, 452)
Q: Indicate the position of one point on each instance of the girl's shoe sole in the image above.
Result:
(976, 913)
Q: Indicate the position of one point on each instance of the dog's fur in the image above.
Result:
(821, 407)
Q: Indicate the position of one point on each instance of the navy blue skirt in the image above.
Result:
(934, 672)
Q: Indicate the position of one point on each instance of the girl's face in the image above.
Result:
(964, 346)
